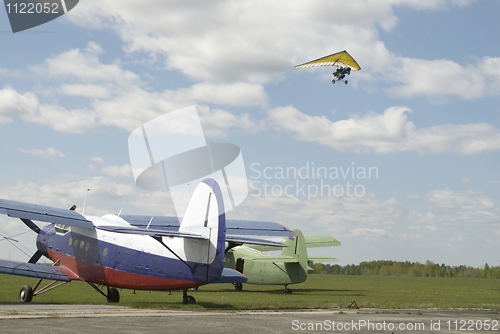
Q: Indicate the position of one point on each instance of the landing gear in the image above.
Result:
(113, 295)
(238, 286)
(287, 290)
(26, 294)
(187, 299)
(345, 81)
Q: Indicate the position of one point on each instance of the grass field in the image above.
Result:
(319, 291)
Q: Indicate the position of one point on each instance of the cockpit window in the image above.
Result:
(62, 229)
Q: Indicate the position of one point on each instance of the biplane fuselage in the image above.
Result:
(127, 260)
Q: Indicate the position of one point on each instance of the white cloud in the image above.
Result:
(233, 94)
(387, 132)
(368, 232)
(258, 41)
(26, 106)
(89, 91)
(465, 180)
(459, 200)
(117, 171)
(49, 152)
(105, 195)
(13, 104)
(97, 160)
(122, 112)
(439, 79)
(84, 66)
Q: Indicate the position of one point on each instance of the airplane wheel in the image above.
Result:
(289, 291)
(333, 81)
(113, 295)
(346, 82)
(25, 294)
(238, 286)
(188, 300)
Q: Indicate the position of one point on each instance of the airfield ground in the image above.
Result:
(41, 319)
(455, 305)
(318, 292)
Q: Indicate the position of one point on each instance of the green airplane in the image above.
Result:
(290, 267)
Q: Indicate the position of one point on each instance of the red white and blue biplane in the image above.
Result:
(110, 252)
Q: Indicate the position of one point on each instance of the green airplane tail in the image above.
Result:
(297, 249)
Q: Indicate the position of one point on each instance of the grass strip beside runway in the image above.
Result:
(319, 291)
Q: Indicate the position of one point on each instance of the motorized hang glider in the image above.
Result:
(344, 62)
(109, 251)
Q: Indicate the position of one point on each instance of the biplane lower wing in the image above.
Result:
(32, 270)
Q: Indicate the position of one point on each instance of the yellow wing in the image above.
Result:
(342, 58)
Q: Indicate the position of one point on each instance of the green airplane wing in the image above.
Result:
(321, 259)
(311, 242)
(321, 241)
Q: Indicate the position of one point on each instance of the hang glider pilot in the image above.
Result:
(340, 73)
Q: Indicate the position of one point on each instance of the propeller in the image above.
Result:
(36, 229)
(35, 257)
(31, 225)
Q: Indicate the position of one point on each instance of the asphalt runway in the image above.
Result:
(37, 318)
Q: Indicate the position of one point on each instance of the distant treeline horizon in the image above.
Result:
(407, 268)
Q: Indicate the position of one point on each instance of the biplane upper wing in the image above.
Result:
(151, 232)
(233, 226)
(32, 270)
(26, 211)
(235, 229)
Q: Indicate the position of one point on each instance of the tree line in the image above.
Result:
(417, 269)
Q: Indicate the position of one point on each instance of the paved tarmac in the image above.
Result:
(37, 318)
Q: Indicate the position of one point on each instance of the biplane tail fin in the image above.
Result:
(205, 216)
(297, 248)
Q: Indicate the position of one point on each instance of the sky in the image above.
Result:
(400, 164)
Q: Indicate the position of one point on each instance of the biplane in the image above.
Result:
(110, 252)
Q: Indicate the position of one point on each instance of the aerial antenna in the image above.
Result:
(149, 222)
(119, 213)
(85, 201)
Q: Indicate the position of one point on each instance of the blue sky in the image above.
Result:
(422, 112)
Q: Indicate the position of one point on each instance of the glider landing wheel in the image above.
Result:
(346, 82)
(288, 291)
(238, 286)
(25, 294)
(113, 295)
(333, 81)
